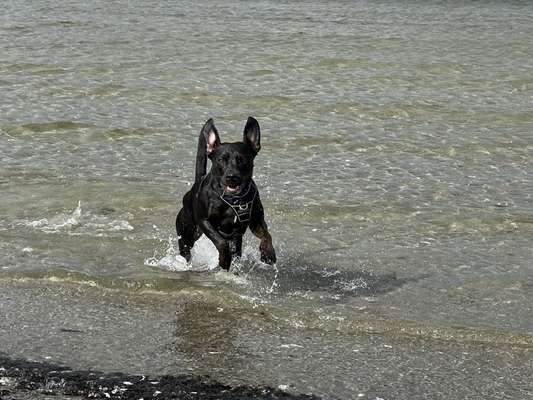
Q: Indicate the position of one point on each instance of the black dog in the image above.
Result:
(223, 203)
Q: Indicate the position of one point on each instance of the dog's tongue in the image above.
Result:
(230, 189)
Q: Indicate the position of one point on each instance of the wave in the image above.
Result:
(154, 285)
(77, 223)
(32, 68)
(46, 127)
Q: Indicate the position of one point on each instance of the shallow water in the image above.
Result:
(395, 168)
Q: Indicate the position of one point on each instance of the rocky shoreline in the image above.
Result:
(19, 376)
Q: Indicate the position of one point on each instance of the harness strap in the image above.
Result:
(241, 205)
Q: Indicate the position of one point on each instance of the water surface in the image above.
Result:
(395, 173)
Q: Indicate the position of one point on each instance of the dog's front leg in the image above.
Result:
(259, 228)
(222, 245)
(268, 254)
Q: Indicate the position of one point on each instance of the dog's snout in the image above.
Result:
(233, 180)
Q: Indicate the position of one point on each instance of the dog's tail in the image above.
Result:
(206, 143)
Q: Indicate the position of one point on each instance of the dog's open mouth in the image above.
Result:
(232, 189)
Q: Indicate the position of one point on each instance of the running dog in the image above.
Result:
(223, 203)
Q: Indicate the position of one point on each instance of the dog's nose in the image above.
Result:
(233, 180)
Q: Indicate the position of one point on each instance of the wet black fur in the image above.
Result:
(204, 212)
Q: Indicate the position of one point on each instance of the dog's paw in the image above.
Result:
(268, 254)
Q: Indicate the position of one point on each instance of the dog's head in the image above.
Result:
(232, 163)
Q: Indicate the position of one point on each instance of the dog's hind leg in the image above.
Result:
(188, 233)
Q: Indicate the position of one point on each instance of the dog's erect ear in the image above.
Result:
(209, 139)
(252, 134)
(207, 143)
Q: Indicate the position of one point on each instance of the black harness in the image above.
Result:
(241, 203)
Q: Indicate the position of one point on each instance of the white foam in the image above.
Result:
(80, 222)
(38, 223)
(204, 256)
(58, 222)
(352, 285)
(114, 226)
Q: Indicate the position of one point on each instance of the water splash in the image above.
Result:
(72, 220)
(204, 256)
(59, 222)
(244, 271)
(80, 222)
(274, 285)
(169, 260)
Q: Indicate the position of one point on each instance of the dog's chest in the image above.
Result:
(229, 224)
